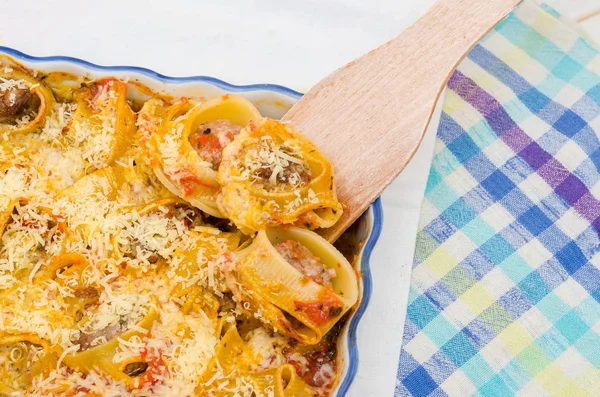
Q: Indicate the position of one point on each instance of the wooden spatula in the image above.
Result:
(369, 117)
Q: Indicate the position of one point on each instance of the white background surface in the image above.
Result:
(293, 43)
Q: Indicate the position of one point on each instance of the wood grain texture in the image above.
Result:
(369, 117)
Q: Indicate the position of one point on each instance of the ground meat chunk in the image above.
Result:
(294, 174)
(305, 262)
(86, 293)
(210, 139)
(13, 100)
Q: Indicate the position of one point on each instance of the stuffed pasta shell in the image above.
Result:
(22, 358)
(186, 151)
(295, 281)
(103, 328)
(272, 175)
(103, 124)
(234, 355)
(30, 235)
(25, 101)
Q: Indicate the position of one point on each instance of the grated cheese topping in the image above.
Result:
(89, 263)
(274, 166)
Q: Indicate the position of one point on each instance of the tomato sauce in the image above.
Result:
(309, 360)
(210, 139)
(322, 311)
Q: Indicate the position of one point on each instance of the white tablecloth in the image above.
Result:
(293, 43)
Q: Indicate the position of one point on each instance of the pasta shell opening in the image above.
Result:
(25, 100)
(185, 159)
(294, 297)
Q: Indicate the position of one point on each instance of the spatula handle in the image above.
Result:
(369, 117)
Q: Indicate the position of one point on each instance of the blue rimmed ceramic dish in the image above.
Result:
(272, 101)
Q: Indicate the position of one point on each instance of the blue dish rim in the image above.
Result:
(376, 207)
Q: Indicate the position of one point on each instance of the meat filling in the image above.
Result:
(294, 174)
(210, 139)
(16, 102)
(305, 262)
(276, 167)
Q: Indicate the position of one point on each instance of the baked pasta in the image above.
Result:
(162, 247)
(272, 175)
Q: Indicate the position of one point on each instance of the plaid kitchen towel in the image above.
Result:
(505, 288)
